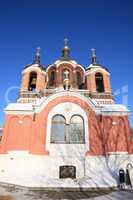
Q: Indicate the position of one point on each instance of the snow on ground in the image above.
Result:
(40, 181)
(96, 180)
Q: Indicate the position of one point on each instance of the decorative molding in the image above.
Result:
(98, 69)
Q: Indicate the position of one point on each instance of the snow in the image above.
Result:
(47, 182)
(93, 66)
(114, 108)
(19, 106)
(43, 171)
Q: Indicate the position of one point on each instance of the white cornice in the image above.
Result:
(34, 67)
(52, 65)
(71, 62)
(27, 108)
(98, 69)
(66, 62)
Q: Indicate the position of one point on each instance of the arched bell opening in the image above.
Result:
(99, 82)
(52, 78)
(79, 80)
(32, 81)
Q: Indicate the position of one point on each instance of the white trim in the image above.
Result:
(62, 110)
(74, 64)
(42, 103)
(80, 66)
(49, 66)
(34, 67)
(57, 62)
(66, 62)
(65, 93)
(117, 113)
(93, 70)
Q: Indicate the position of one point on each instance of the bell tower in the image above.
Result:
(98, 79)
(33, 80)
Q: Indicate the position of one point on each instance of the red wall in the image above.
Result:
(31, 135)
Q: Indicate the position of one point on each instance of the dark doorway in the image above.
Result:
(67, 172)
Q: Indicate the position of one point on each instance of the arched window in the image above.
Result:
(79, 80)
(58, 129)
(52, 77)
(99, 82)
(32, 81)
(77, 130)
(72, 133)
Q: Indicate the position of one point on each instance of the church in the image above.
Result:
(65, 128)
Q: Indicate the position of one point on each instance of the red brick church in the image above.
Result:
(65, 124)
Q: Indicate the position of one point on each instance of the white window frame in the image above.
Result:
(67, 110)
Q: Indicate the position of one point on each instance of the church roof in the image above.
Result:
(36, 60)
(42, 67)
(96, 66)
(65, 57)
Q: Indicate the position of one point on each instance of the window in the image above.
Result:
(58, 129)
(32, 81)
(99, 82)
(72, 133)
(77, 130)
(67, 172)
(52, 78)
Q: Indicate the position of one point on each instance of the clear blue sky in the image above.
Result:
(106, 25)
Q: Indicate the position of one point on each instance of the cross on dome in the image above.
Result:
(93, 56)
(38, 49)
(37, 56)
(65, 50)
(66, 42)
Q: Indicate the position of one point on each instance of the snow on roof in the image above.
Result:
(20, 106)
(114, 108)
(96, 66)
(59, 61)
(93, 66)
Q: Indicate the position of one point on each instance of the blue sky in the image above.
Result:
(102, 24)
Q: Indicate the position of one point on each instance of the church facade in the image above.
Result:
(65, 125)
